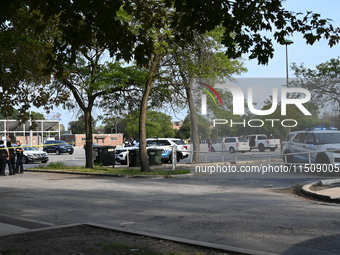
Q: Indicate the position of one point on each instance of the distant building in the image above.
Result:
(30, 132)
(79, 140)
(177, 124)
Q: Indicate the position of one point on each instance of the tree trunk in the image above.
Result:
(154, 65)
(88, 137)
(194, 135)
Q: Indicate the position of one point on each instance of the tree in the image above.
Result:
(15, 115)
(242, 21)
(277, 130)
(323, 82)
(142, 30)
(203, 128)
(78, 126)
(22, 56)
(186, 65)
(157, 125)
(113, 124)
(90, 82)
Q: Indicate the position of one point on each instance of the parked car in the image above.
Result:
(58, 147)
(165, 144)
(33, 154)
(317, 143)
(121, 153)
(262, 142)
(231, 144)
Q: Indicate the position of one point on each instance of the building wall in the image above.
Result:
(76, 140)
(101, 139)
(36, 140)
(177, 124)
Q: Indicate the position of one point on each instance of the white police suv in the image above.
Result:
(165, 144)
(319, 145)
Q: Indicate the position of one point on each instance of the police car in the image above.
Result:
(165, 144)
(320, 145)
(121, 153)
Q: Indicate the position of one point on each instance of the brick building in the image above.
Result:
(101, 139)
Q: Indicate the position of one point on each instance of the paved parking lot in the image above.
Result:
(78, 157)
(245, 211)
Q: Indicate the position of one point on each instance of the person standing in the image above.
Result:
(224, 145)
(209, 144)
(19, 168)
(133, 142)
(126, 143)
(4, 156)
(11, 161)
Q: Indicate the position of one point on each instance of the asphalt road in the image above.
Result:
(237, 209)
(78, 157)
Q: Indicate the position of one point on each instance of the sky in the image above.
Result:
(298, 52)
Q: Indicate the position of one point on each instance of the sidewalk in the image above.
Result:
(7, 229)
(326, 190)
(10, 225)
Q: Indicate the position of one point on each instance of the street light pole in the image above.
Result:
(287, 42)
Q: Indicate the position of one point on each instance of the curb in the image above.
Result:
(221, 247)
(226, 248)
(308, 190)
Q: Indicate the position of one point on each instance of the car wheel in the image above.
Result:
(44, 161)
(212, 149)
(57, 152)
(322, 159)
(25, 160)
(232, 150)
(179, 157)
(272, 149)
(70, 153)
(261, 147)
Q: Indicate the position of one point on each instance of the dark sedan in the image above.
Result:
(58, 147)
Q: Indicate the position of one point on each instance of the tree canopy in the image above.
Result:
(323, 82)
(157, 125)
(45, 39)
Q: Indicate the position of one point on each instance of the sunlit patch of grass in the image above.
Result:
(59, 166)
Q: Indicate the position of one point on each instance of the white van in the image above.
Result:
(231, 144)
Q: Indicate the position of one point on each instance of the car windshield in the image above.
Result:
(289, 137)
(327, 138)
(30, 148)
(242, 139)
(178, 142)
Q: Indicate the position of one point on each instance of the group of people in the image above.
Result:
(11, 156)
(130, 142)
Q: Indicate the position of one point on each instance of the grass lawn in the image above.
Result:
(59, 166)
